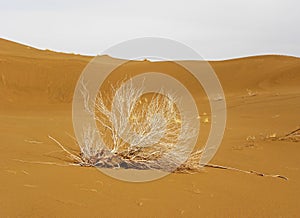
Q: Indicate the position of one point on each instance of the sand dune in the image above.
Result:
(52, 76)
(36, 89)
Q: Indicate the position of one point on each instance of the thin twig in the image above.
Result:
(75, 157)
(245, 171)
(32, 141)
(46, 163)
(294, 131)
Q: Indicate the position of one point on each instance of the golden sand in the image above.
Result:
(36, 89)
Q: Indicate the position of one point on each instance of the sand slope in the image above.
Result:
(36, 89)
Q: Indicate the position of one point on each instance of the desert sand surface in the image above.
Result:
(263, 104)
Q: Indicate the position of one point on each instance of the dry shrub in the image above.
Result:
(148, 135)
(137, 131)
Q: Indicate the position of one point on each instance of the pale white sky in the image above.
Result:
(216, 29)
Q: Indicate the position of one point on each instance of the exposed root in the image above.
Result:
(293, 136)
(246, 171)
(192, 166)
(179, 170)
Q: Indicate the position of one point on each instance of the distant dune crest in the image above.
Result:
(50, 76)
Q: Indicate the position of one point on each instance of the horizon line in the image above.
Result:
(94, 54)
